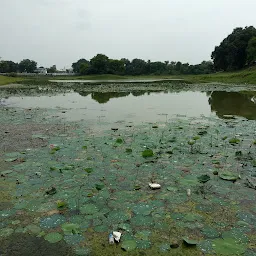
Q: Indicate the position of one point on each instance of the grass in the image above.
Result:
(10, 80)
(246, 76)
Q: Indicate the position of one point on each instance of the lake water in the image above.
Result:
(142, 106)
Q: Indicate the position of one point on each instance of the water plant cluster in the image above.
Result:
(86, 184)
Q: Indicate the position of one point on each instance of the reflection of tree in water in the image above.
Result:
(140, 93)
(82, 93)
(233, 103)
(104, 97)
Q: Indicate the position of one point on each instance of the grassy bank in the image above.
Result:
(247, 76)
(9, 80)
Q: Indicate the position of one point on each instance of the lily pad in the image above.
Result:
(204, 178)
(53, 237)
(89, 209)
(74, 239)
(190, 242)
(52, 221)
(70, 228)
(229, 176)
(147, 153)
(228, 246)
(129, 245)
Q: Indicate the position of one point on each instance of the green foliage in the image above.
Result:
(129, 245)
(61, 205)
(88, 170)
(27, 65)
(99, 186)
(119, 141)
(53, 237)
(226, 175)
(8, 66)
(70, 228)
(147, 153)
(190, 242)
(228, 246)
(251, 51)
(52, 69)
(234, 141)
(231, 54)
(203, 178)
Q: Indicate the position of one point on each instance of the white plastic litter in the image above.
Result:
(111, 239)
(188, 192)
(154, 185)
(117, 236)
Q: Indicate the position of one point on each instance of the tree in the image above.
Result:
(52, 69)
(116, 67)
(27, 65)
(85, 68)
(99, 64)
(7, 66)
(251, 51)
(139, 67)
(231, 54)
(77, 65)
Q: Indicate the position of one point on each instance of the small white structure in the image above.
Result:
(41, 70)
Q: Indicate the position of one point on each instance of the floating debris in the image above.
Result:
(154, 186)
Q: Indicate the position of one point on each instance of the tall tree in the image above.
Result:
(251, 51)
(77, 65)
(99, 64)
(7, 66)
(28, 66)
(231, 54)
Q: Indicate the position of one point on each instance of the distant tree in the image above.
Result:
(231, 54)
(116, 67)
(157, 68)
(251, 51)
(85, 68)
(7, 66)
(77, 65)
(99, 64)
(52, 69)
(27, 65)
(139, 67)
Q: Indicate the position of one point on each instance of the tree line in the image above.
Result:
(236, 51)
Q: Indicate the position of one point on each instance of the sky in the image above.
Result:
(59, 32)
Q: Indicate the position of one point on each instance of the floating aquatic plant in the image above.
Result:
(147, 153)
(228, 246)
(204, 178)
(227, 175)
(53, 237)
(70, 228)
(234, 141)
(129, 245)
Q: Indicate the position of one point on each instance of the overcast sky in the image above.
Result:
(62, 31)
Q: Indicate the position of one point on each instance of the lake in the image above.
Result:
(141, 106)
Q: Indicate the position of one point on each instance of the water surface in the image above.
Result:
(141, 106)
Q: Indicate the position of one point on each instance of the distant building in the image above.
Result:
(41, 70)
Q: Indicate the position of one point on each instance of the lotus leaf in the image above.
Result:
(228, 246)
(74, 239)
(70, 228)
(226, 175)
(147, 153)
(53, 237)
(129, 245)
(190, 242)
(203, 178)
(52, 221)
